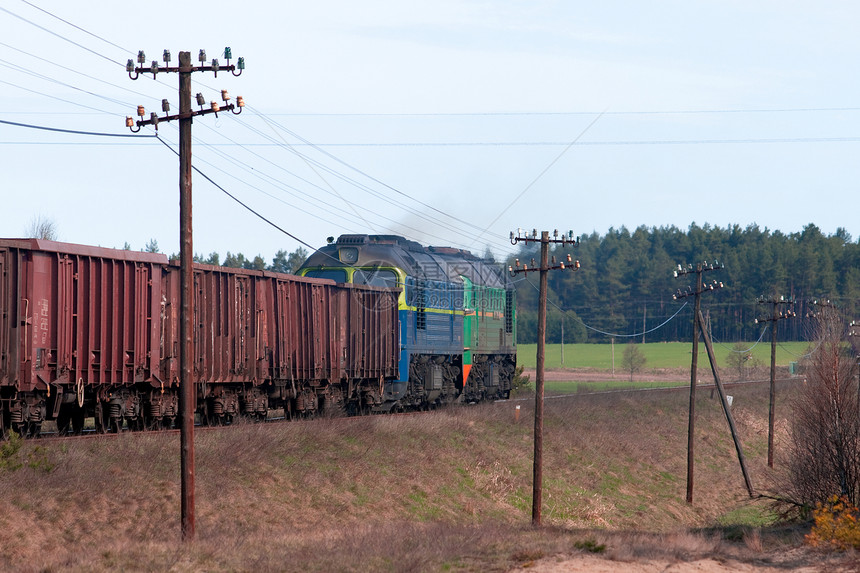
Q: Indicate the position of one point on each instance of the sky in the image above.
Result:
(449, 122)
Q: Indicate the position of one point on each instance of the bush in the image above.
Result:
(520, 383)
(836, 526)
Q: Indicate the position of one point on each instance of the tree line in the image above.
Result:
(283, 262)
(625, 285)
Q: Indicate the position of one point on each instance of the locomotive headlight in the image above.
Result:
(348, 255)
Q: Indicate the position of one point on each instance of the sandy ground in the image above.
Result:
(595, 564)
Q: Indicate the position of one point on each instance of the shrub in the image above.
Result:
(836, 526)
(520, 383)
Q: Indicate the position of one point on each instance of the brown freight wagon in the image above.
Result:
(77, 322)
(88, 331)
(271, 341)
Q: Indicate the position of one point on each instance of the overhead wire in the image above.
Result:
(72, 25)
(315, 199)
(73, 131)
(60, 36)
(634, 335)
(541, 174)
(398, 191)
(74, 71)
(56, 81)
(240, 202)
(380, 195)
(568, 113)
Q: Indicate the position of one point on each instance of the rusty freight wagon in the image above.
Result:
(93, 332)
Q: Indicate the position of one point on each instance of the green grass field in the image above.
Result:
(657, 354)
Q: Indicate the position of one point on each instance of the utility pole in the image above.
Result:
(544, 268)
(853, 333)
(697, 293)
(775, 316)
(186, 251)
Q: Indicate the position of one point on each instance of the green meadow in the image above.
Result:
(657, 355)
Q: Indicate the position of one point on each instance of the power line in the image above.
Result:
(240, 202)
(60, 36)
(73, 25)
(571, 113)
(74, 131)
(541, 174)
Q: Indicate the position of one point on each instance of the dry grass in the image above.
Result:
(448, 490)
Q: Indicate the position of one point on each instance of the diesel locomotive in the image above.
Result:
(457, 315)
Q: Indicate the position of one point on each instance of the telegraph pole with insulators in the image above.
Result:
(543, 269)
(186, 251)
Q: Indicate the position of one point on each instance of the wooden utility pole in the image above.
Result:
(544, 268)
(694, 365)
(774, 317)
(186, 248)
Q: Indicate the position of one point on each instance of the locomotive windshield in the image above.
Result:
(337, 275)
(375, 277)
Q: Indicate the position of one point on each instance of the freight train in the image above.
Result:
(89, 332)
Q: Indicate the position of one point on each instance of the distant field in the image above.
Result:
(574, 387)
(658, 354)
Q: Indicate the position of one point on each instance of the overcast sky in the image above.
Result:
(450, 122)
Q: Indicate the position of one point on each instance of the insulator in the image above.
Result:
(225, 96)
(154, 67)
(129, 67)
(202, 56)
(129, 122)
(201, 101)
(165, 106)
(141, 57)
(215, 65)
(228, 53)
(241, 64)
(166, 56)
(140, 111)
(214, 106)
(240, 101)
